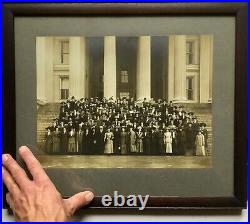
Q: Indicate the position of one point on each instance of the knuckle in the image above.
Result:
(7, 197)
(43, 180)
(21, 200)
(9, 161)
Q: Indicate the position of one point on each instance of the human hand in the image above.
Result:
(37, 199)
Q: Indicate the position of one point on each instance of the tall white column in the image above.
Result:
(180, 68)
(171, 70)
(109, 78)
(177, 68)
(77, 67)
(44, 69)
(143, 78)
(206, 64)
(211, 69)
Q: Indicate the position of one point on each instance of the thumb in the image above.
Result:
(77, 201)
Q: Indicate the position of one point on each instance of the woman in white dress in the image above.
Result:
(168, 141)
(200, 144)
(108, 138)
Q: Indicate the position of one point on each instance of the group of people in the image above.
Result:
(98, 126)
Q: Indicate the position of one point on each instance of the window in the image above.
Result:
(190, 88)
(124, 94)
(64, 88)
(64, 52)
(189, 53)
(124, 76)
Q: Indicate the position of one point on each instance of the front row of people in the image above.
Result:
(121, 141)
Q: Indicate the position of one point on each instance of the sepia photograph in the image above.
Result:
(140, 106)
(124, 101)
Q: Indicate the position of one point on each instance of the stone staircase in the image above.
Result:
(45, 116)
(50, 111)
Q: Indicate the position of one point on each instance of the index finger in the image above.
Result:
(33, 164)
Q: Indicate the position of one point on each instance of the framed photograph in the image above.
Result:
(144, 104)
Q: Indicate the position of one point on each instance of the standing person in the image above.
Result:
(100, 144)
(139, 140)
(131, 140)
(153, 141)
(146, 142)
(181, 141)
(72, 141)
(93, 145)
(190, 136)
(117, 147)
(56, 141)
(79, 137)
(86, 142)
(108, 138)
(168, 141)
(205, 133)
(200, 144)
(64, 141)
(49, 141)
(195, 125)
(123, 141)
(173, 129)
(160, 142)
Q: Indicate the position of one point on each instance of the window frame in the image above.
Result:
(61, 77)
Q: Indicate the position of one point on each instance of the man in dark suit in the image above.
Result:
(195, 125)
(181, 141)
(86, 141)
(146, 141)
(190, 137)
(93, 142)
(153, 142)
(116, 140)
(100, 140)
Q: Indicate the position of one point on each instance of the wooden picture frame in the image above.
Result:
(238, 10)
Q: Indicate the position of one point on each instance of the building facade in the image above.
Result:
(177, 68)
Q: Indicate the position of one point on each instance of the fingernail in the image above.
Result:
(4, 157)
(22, 148)
(89, 196)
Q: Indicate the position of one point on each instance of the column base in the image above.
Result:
(210, 101)
(179, 100)
(41, 101)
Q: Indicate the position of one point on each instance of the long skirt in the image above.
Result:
(56, 146)
(200, 150)
(133, 148)
(109, 148)
(169, 148)
(49, 146)
(72, 145)
(123, 149)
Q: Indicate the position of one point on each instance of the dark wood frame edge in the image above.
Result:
(239, 10)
